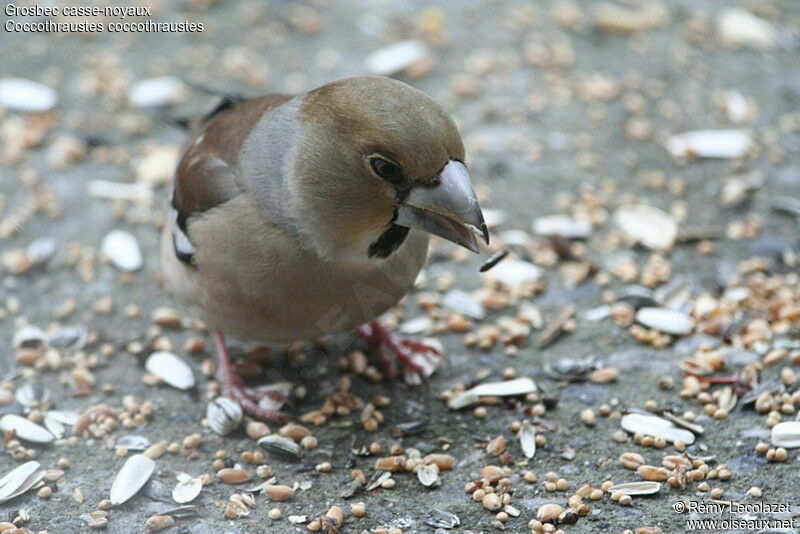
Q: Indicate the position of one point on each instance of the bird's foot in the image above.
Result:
(418, 359)
(262, 402)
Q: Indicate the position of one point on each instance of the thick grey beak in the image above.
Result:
(449, 209)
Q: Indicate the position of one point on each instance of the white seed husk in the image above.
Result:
(786, 435)
(123, 250)
(29, 336)
(508, 388)
(657, 427)
(187, 489)
(224, 415)
(463, 303)
(636, 488)
(719, 144)
(159, 91)
(515, 274)
(562, 225)
(171, 369)
(131, 478)
(650, 226)
(396, 57)
(665, 320)
(527, 439)
(25, 429)
(738, 27)
(428, 475)
(20, 480)
(19, 94)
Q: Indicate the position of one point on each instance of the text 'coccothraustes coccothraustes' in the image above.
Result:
(294, 217)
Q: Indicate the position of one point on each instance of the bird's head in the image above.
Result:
(376, 158)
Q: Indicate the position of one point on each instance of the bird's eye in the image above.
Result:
(388, 170)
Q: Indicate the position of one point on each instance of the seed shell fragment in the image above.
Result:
(134, 474)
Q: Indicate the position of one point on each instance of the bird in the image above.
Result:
(294, 217)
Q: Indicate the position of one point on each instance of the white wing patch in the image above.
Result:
(183, 247)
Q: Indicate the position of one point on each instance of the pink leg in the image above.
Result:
(391, 349)
(233, 387)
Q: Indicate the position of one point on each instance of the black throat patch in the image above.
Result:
(389, 241)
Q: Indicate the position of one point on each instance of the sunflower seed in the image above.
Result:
(494, 259)
(123, 250)
(636, 488)
(515, 274)
(562, 225)
(171, 369)
(681, 422)
(179, 512)
(138, 191)
(719, 144)
(281, 448)
(527, 439)
(440, 519)
(651, 425)
(668, 321)
(396, 57)
(153, 92)
(54, 426)
(20, 480)
(786, 435)
(377, 479)
(29, 337)
(428, 475)
(25, 429)
(462, 302)
(224, 415)
(20, 94)
(133, 443)
(187, 489)
(508, 388)
(647, 225)
(131, 478)
(30, 395)
(737, 27)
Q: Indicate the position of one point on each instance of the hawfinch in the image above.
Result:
(295, 217)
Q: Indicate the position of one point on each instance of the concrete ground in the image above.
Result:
(550, 103)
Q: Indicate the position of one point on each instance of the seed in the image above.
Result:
(547, 513)
(780, 454)
(596, 494)
(588, 417)
(620, 436)
(294, 431)
(233, 476)
(335, 515)
(479, 412)
(604, 375)
(278, 493)
(157, 523)
(45, 492)
(274, 513)
(631, 460)
(491, 501)
(496, 446)
(315, 525)
(257, 430)
(324, 467)
(754, 491)
(389, 483)
(529, 477)
(625, 500)
(358, 509)
(652, 473)
(443, 461)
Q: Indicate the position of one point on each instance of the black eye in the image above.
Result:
(388, 170)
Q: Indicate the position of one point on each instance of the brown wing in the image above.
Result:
(206, 172)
